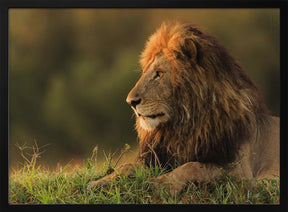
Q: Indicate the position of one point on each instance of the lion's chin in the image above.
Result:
(148, 124)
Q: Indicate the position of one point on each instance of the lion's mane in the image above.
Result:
(216, 105)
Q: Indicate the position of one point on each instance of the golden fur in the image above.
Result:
(197, 110)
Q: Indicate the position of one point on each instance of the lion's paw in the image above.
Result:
(96, 184)
(168, 184)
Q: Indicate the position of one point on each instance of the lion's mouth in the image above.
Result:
(151, 116)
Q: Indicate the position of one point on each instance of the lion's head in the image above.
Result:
(193, 101)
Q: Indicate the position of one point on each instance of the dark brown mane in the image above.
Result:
(215, 103)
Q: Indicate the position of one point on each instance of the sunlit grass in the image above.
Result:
(33, 185)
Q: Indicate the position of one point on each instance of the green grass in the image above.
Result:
(33, 185)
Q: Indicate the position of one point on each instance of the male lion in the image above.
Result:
(197, 111)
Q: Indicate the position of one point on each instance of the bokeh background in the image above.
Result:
(70, 71)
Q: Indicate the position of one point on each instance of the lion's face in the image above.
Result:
(151, 97)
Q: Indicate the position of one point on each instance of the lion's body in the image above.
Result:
(257, 157)
(197, 111)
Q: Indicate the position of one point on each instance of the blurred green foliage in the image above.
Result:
(71, 69)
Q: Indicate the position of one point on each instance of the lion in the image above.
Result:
(197, 111)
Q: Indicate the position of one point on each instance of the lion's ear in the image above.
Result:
(189, 49)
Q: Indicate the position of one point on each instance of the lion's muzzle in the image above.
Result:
(133, 101)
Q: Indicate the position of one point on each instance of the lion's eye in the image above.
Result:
(158, 74)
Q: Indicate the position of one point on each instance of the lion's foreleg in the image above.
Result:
(122, 170)
(176, 180)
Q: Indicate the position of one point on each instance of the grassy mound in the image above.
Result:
(33, 185)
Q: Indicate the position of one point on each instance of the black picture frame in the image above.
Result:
(7, 4)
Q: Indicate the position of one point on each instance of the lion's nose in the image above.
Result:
(133, 102)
